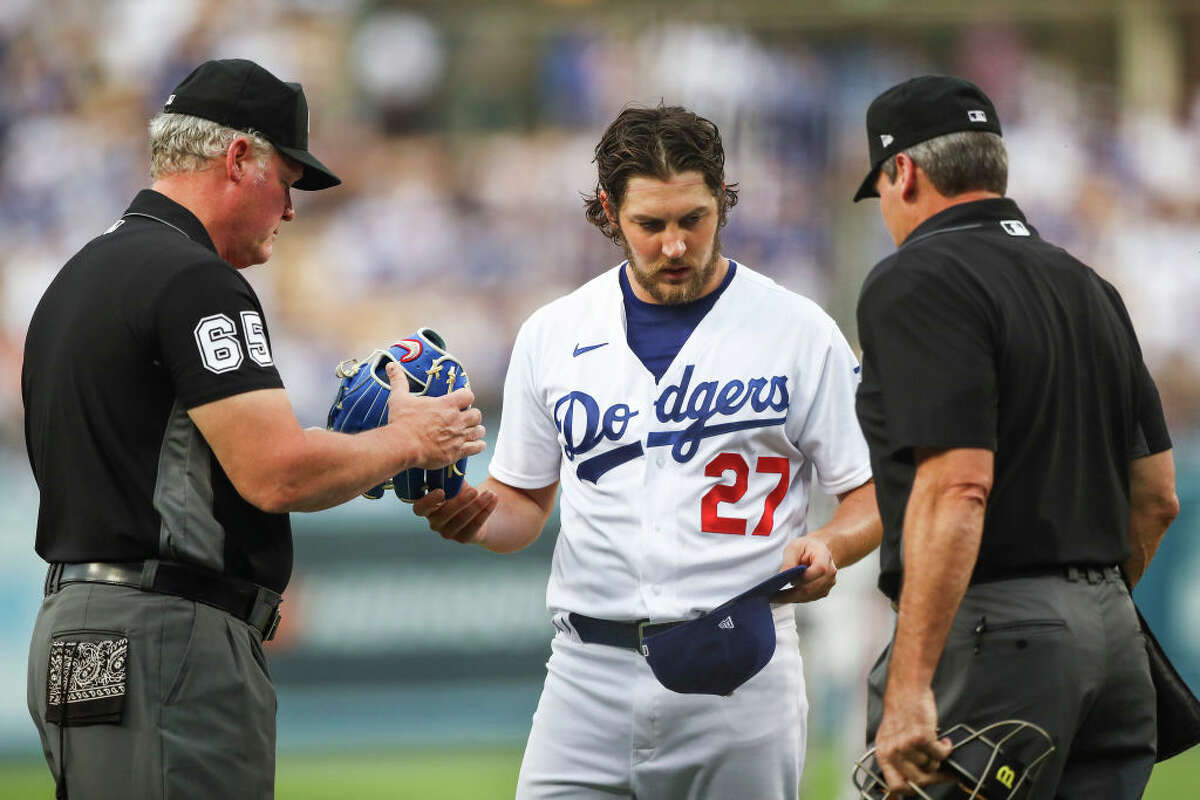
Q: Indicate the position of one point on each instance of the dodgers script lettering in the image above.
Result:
(584, 427)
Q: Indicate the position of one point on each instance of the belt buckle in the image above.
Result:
(53, 578)
(641, 632)
(272, 625)
(270, 601)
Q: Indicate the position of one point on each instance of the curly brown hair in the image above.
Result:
(658, 143)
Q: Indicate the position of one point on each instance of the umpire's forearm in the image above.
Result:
(278, 467)
(943, 528)
(942, 538)
(1153, 507)
(337, 467)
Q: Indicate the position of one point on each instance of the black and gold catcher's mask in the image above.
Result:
(1000, 761)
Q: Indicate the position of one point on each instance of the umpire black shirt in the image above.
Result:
(144, 323)
(977, 333)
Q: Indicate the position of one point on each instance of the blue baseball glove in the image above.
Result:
(362, 403)
(432, 372)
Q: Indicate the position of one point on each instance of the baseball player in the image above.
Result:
(685, 404)
(167, 456)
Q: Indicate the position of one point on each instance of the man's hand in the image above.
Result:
(817, 580)
(907, 747)
(441, 430)
(460, 518)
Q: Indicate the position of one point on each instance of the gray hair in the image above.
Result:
(960, 162)
(183, 143)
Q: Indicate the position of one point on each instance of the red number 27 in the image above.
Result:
(712, 522)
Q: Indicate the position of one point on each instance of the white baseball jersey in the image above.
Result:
(678, 495)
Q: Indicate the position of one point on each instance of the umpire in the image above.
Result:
(167, 456)
(1023, 468)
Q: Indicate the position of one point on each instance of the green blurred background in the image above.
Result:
(450, 774)
(408, 667)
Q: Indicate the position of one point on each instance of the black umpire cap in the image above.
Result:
(918, 110)
(240, 94)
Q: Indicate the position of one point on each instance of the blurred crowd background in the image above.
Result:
(463, 132)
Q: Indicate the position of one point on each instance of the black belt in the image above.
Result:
(255, 605)
(1091, 573)
(614, 633)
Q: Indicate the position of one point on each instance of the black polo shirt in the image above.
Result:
(144, 323)
(978, 333)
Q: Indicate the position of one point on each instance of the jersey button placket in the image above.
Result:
(655, 525)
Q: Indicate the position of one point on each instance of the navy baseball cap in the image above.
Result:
(718, 652)
(918, 110)
(240, 94)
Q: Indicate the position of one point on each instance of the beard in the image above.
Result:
(673, 294)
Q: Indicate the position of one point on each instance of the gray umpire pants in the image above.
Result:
(198, 716)
(1065, 654)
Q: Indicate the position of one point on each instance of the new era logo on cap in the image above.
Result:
(976, 115)
(886, 138)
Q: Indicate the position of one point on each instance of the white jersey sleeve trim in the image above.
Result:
(520, 481)
(858, 479)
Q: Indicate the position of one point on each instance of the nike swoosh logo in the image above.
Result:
(581, 350)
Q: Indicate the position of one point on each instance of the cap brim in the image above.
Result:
(772, 585)
(867, 189)
(316, 175)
